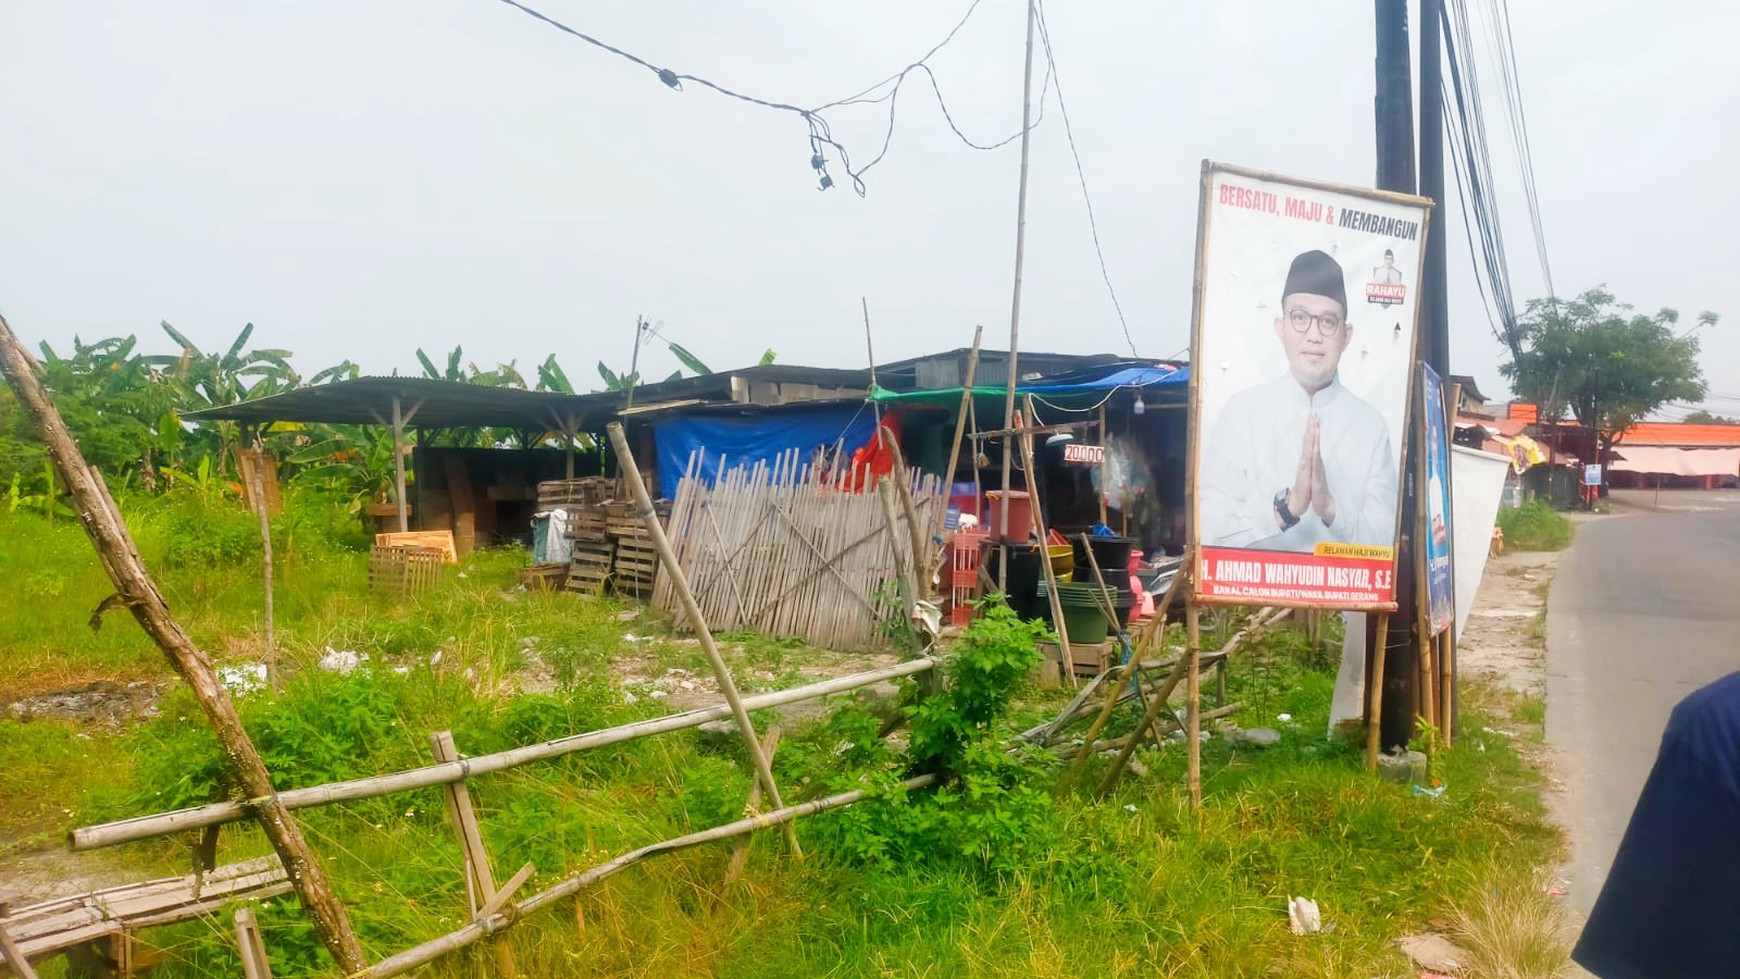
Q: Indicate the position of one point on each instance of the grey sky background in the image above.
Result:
(359, 180)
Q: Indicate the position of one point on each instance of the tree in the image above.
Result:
(1705, 418)
(1608, 366)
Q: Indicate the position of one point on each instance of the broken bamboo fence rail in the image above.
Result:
(138, 592)
(427, 952)
(785, 548)
(216, 813)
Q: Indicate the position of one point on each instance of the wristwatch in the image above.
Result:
(1286, 515)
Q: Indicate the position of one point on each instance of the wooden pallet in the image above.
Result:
(589, 570)
(544, 577)
(589, 523)
(574, 492)
(637, 565)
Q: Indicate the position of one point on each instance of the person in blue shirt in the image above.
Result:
(1671, 903)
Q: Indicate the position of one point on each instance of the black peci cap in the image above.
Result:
(1316, 273)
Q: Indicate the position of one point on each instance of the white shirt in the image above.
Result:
(1254, 454)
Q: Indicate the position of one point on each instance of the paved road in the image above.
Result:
(1643, 611)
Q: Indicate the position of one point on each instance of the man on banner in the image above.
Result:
(1301, 460)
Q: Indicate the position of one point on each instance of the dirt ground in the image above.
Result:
(1504, 641)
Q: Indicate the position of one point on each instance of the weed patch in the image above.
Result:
(1535, 526)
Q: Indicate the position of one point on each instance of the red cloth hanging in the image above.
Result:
(875, 458)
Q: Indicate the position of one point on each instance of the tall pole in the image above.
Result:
(1015, 302)
(1434, 294)
(870, 353)
(634, 362)
(1435, 284)
(399, 463)
(1397, 667)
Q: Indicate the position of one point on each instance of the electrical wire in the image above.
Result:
(821, 137)
(1081, 175)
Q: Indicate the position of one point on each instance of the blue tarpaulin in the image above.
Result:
(738, 440)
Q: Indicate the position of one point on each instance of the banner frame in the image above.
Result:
(1193, 472)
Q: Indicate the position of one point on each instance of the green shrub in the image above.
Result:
(1535, 526)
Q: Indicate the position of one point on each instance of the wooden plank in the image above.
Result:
(14, 957)
(479, 879)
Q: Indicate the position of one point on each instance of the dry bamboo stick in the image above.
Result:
(1155, 705)
(259, 492)
(1447, 684)
(163, 824)
(1375, 684)
(479, 878)
(429, 951)
(136, 589)
(721, 672)
(494, 905)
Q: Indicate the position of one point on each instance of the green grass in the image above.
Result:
(1535, 526)
(1133, 884)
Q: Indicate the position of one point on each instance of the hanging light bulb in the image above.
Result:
(1140, 407)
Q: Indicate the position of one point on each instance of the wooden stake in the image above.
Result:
(139, 593)
(680, 584)
(1155, 704)
(1193, 698)
(740, 851)
(479, 879)
(251, 945)
(1374, 682)
(1044, 549)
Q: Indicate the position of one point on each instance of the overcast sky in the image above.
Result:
(363, 179)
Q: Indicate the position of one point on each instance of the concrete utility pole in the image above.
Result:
(1395, 171)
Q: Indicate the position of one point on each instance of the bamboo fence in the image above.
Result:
(782, 549)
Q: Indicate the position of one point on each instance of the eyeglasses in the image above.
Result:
(1328, 324)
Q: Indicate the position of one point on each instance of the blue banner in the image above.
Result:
(1437, 503)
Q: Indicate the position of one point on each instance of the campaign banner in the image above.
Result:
(1440, 590)
(1301, 371)
(1337, 576)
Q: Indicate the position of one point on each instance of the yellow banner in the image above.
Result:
(1375, 552)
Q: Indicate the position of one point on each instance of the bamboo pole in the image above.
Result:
(961, 430)
(259, 489)
(136, 589)
(1044, 551)
(727, 684)
(217, 813)
(740, 852)
(1193, 701)
(251, 945)
(1374, 683)
(431, 950)
(1105, 445)
(479, 878)
(1447, 684)
(399, 464)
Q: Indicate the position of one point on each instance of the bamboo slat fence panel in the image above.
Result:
(781, 549)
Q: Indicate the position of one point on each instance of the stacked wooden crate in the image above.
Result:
(611, 546)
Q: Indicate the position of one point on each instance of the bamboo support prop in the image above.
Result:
(740, 852)
(480, 886)
(429, 951)
(217, 813)
(251, 945)
(1193, 701)
(680, 583)
(1044, 553)
(961, 427)
(139, 593)
(1374, 683)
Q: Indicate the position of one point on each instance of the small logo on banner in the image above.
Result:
(1386, 288)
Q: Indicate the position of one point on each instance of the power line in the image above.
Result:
(821, 136)
(1081, 175)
